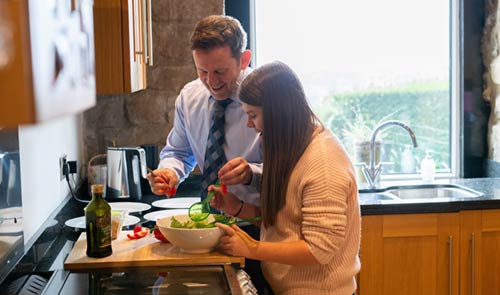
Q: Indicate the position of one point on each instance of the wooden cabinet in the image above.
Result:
(445, 253)
(480, 252)
(46, 60)
(409, 254)
(123, 45)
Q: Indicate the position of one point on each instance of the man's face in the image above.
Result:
(218, 70)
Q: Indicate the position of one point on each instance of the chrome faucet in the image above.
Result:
(372, 171)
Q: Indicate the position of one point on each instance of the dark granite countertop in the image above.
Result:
(489, 187)
(56, 240)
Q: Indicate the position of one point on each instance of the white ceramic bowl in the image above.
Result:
(194, 240)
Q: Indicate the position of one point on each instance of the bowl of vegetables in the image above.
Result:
(191, 236)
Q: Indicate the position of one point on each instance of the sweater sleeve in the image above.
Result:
(327, 185)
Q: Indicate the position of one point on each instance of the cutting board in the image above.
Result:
(147, 251)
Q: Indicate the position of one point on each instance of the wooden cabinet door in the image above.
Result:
(123, 45)
(409, 254)
(46, 60)
(480, 252)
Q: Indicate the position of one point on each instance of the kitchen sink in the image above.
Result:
(418, 193)
(432, 191)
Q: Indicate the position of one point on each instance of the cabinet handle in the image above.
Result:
(149, 33)
(134, 41)
(450, 271)
(137, 21)
(473, 262)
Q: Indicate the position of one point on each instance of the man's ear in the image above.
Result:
(245, 58)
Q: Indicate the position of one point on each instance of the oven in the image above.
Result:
(210, 279)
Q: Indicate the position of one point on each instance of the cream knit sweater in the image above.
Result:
(322, 209)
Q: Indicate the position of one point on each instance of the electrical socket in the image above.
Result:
(62, 162)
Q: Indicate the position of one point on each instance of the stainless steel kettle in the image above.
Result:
(126, 166)
(10, 179)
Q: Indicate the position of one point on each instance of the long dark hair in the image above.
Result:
(289, 124)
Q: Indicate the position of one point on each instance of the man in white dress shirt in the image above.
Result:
(219, 52)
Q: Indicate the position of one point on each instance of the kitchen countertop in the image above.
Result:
(490, 187)
(50, 250)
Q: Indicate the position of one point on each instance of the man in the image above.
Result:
(218, 46)
(219, 53)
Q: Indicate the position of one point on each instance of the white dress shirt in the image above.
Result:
(187, 141)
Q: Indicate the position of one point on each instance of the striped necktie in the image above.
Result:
(214, 154)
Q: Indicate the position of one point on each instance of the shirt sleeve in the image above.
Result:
(177, 153)
(256, 181)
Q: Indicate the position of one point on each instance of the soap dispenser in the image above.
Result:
(427, 167)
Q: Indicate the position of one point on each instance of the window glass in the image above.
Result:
(364, 62)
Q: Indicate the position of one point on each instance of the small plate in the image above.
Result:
(79, 222)
(175, 203)
(153, 216)
(130, 207)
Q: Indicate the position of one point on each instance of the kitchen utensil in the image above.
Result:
(10, 182)
(201, 210)
(125, 167)
(152, 160)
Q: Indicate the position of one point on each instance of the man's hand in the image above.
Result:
(235, 171)
(236, 242)
(163, 182)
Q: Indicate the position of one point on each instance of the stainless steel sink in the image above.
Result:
(418, 193)
(432, 191)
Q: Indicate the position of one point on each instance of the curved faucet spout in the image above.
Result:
(372, 170)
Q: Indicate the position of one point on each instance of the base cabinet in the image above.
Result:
(480, 252)
(409, 254)
(443, 253)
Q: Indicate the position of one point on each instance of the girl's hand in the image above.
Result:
(223, 200)
(236, 242)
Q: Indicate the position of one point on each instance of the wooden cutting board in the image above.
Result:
(147, 251)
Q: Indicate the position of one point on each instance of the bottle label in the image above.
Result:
(103, 230)
(99, 230)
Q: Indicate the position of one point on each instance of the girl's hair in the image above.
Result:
(288, 123)
(217, 31)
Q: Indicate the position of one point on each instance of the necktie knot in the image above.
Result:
(221, 105)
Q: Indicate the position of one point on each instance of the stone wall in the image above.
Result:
(490, 49)
(146, 117)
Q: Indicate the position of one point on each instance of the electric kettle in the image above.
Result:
(10, 180)
(126, 166)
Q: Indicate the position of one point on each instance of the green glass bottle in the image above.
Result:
(98, 224)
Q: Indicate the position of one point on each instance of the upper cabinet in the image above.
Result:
(46, 60)
(123, 45)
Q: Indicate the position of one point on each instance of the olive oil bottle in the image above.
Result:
(98, 224)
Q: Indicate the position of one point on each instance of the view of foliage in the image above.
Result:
(352, 117)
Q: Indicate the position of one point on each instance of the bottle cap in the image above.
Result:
(97, 188)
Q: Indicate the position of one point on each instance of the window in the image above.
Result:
(364, 62)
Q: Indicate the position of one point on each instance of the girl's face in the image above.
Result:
(255, 119)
